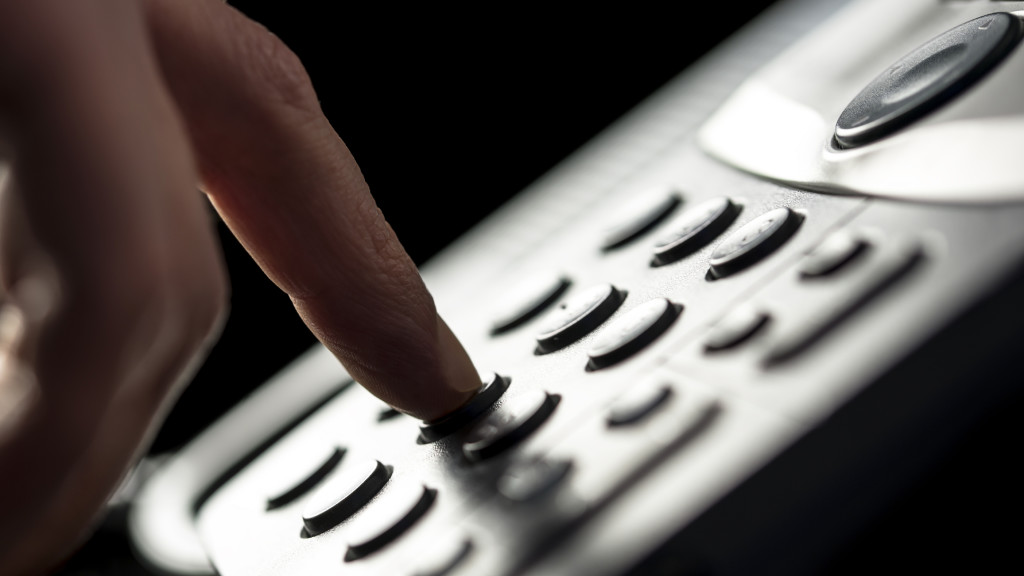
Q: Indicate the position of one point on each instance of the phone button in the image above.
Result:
(834, 253)
(303, 479)
(640, 217)
(444, 558)
(509, 424)
(528, 298)
(579, 316)
(390, 517)
(532, 478)
(754, 241)
(735, 328)
(344, 495)
(696, 228)
(631, 332)
(638, 403)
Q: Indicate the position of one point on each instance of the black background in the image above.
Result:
(451, 112)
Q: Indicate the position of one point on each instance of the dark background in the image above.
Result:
(446, 108)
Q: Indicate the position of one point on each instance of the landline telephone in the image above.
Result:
(717, 339)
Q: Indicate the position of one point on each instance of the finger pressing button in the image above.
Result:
(508, 425)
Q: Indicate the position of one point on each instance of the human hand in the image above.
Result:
(112, 114)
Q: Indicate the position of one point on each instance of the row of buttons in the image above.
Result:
(695, 229)
(589, 309)
(699, 226)
(877, 268)
(837, 251)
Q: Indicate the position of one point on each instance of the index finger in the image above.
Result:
(289, 189)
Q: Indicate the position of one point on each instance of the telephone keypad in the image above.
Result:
(659, 443)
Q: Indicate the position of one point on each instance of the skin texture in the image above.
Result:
(121, 122)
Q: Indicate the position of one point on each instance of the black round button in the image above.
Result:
(509, 424)
(927, 78)
(697, 227)
(752, 242)
(631, 332)
(578, 316)
(303, 479)
(639, 218)
(343, 495)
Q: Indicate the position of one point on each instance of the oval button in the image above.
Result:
(528, 298)
(752, 242)
(735, 327)
(304, 478)
(638, 402)
(508, 425)
(632, 332)
(696, 228)
(532, 478)
(927, 78)
(391, 517)
(344, 495)
(833, 253)
(639, 218)
(578, 316)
